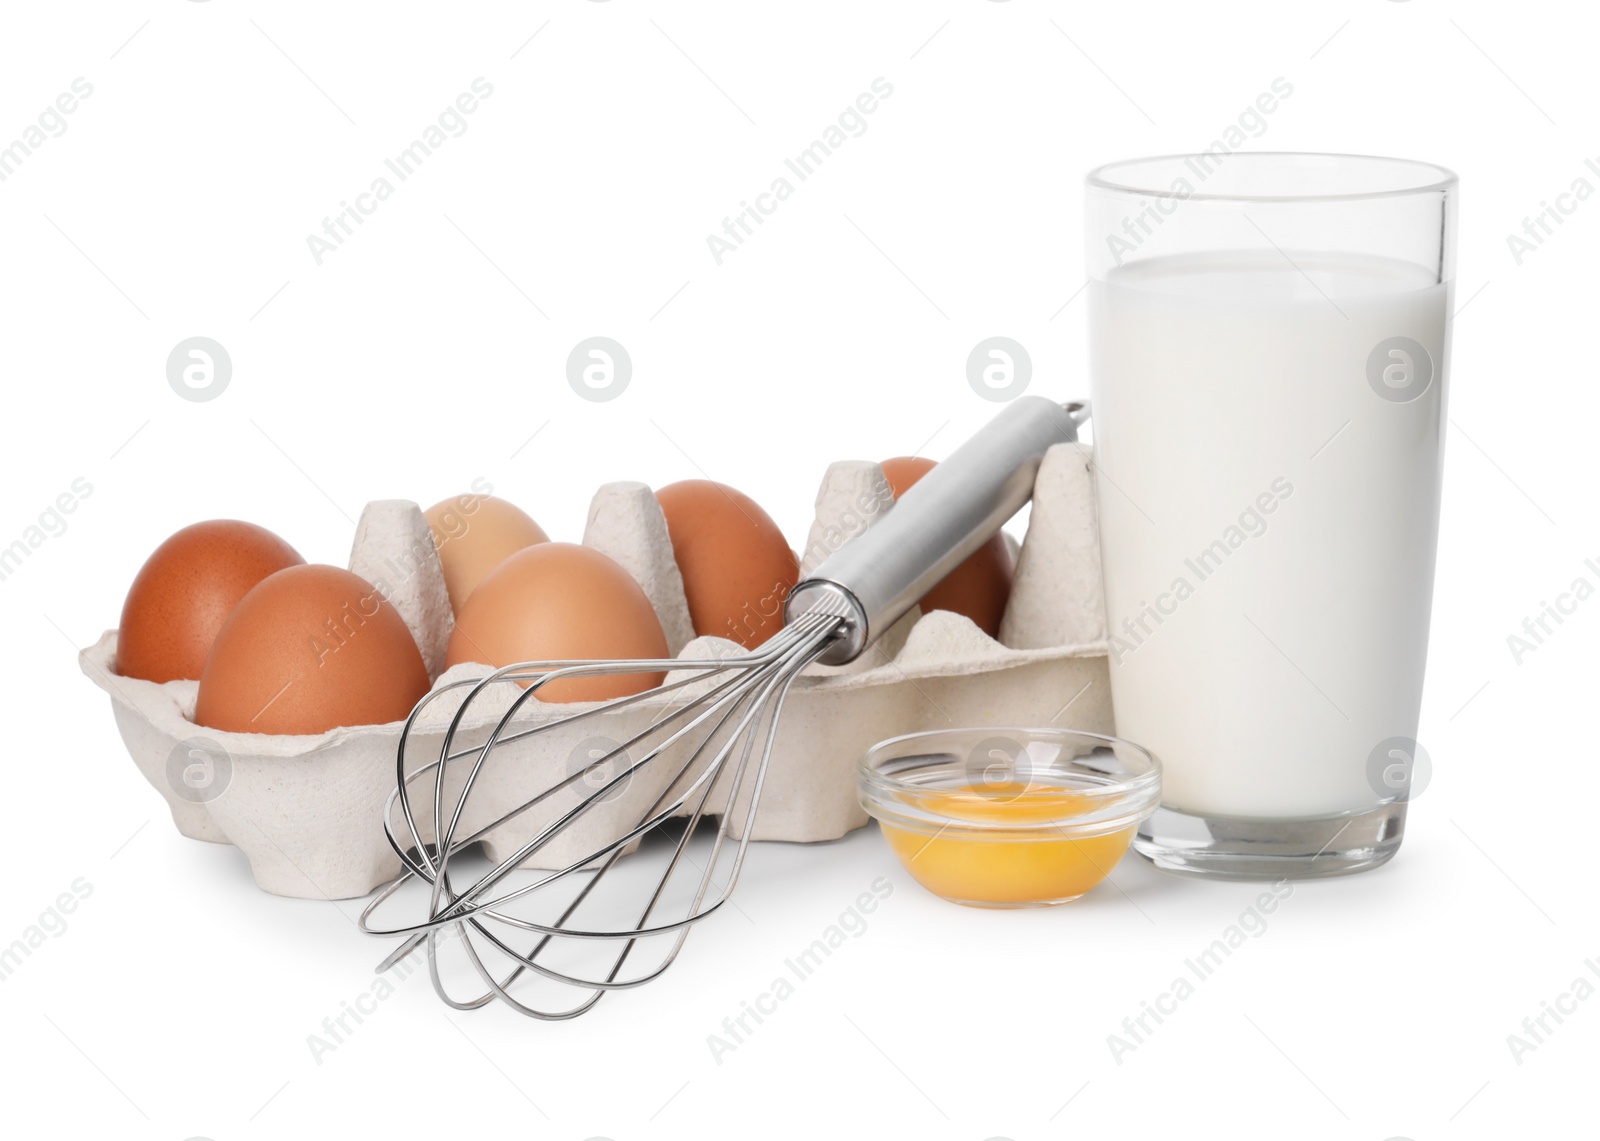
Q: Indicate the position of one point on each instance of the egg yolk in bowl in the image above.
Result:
(993, 852)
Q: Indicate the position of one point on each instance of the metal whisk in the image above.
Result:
(598, 922)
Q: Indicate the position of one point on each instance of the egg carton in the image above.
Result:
(307, 811)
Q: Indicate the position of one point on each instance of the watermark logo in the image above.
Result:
(199, 770)
(999, 369)
(599, 369)
(1399, 369)
(199, 369)
(597, 762)
(997, 768)
(1398, 768)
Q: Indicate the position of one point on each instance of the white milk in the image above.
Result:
(1269, 520)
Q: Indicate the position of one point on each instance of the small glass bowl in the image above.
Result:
(1005, 818)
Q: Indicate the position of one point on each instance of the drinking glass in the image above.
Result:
(1270, 341)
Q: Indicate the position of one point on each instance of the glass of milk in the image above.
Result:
(1270, 341)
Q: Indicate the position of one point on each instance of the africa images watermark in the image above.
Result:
(50, 524)
(851, 924)
(1251, 523)
(51, 124)
(998, 369)
(451, 525)
(337, 1029)
(1251, 924)
(398, 568)
(1250, 125)
(51, 924)
(1552, 215)
(855, 519)
(450, 124)
(199, 369)
(759, 615)
(850, 124)
(1537, 628)
(1537, 1028)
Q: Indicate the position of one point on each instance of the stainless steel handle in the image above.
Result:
(950, 512)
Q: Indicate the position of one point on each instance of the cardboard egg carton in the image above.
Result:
(307, 811)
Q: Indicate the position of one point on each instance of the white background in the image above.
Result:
(428, 350)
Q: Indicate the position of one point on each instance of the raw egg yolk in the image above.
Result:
(998, 868)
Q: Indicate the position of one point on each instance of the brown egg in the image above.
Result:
(980, 587)
(475, 534)
(311, 648)
(561, 602)
(185, 592)
(737, 567)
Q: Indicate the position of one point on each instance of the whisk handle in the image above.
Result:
(949, 513)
